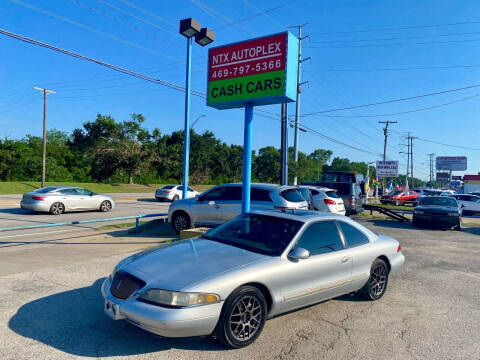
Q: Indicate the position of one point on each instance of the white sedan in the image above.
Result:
(173, 193)
(323, 199)
(469, 203)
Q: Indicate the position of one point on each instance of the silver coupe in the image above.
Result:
(59, 199)
(255, 266)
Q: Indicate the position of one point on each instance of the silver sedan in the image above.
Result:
(253, 267)
(59, 199)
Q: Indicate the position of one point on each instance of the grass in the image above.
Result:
(395, 207)
(118, 226)
(21, 187)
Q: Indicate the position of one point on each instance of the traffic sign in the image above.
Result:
(259, 71)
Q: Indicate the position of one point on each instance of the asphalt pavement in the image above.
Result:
(51, 307)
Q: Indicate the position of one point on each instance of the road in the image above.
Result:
(51, 308)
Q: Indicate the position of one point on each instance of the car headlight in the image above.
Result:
(452, 214)
(419, 212)
(178, 299)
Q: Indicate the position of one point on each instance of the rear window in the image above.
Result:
(260, 195)
(332, 194)
(343, 189)
(292, 195)
(168, 187)
(46, 190)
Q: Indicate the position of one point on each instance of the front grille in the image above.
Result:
(125, 284)
(435, 213)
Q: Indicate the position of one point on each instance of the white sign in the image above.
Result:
(452, 163)
(387, 169)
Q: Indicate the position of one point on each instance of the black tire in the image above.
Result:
(105, 206)
(57, 208)
(176, 197)
(377, 283)
(236, 331)
(459, 226)
(181, 221)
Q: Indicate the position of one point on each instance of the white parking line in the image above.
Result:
(42, 233)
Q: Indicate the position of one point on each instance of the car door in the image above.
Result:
(260, 199)
(67, 197)
(232, 204)
(88, 200)
(208, 208)
(360, 248)
(80, 201)
(324, 274)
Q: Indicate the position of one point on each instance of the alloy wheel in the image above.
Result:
(57, 208)
(105, 206)
(181, 222)
(246, 318)
(378, 280)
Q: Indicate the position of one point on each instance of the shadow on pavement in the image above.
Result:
(74, 322)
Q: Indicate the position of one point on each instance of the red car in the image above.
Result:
(399, 197)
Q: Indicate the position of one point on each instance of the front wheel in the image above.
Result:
(242, 318)
(176, 197)
(181, 221)
(105, 206)
(376, 285)
(57, 208)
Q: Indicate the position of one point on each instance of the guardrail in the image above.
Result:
(77, 222)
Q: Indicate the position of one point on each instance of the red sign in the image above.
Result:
(248, 58)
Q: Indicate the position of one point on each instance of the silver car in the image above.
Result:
(253, 267)
(59, 199)
(223, 202)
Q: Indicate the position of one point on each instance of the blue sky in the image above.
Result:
(362, 52)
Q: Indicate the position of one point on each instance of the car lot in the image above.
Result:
(430, 310)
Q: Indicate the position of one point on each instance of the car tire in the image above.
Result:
(414, 224)
(181, 221)
(105, 206)
(175, 198)
(398, 202)
(377, 283)
(242, 318)
(459, 226)
(57, 208)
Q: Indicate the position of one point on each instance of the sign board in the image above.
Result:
(387, 168)
(259, 71)
(443, 177)
(452, 163)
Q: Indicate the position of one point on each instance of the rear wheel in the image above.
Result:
(176, 197)
(105, 206)
(242, 318)
(181, 221)
(57, 208)
(376, 285)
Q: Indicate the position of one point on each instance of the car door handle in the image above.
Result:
(346, 258)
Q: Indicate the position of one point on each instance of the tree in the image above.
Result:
(267, 165)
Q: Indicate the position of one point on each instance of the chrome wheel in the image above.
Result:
(181, 221)
(105, 206)
(378, 280)
(57, 208)
(246, 318)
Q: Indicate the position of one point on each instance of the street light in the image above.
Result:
(190, 28)
(196, 120)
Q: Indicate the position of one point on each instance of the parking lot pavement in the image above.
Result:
(430, 311)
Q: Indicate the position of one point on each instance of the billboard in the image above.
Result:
(443, 177)
(259, 71)
(452, 163)
(387, 168)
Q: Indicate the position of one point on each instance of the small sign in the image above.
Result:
(387, 168)
(452, 163)
(259, 71)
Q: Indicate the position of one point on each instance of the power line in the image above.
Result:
(387, 45)
(395, 100)
(85, 27)
(400, 28)
(399, 68)
(128, 3)
(99, 62)
(440, 143)
(264, 12)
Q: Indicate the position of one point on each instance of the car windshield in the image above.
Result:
(268, 235)
(396, 192)
(46, 189)
(439, 201)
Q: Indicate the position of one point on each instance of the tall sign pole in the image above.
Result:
(247, 158)
(284, 146)
(44, 145)
(186, 129)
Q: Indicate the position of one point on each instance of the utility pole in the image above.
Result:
(297, 109)
(431, 169)
(385, 134)
(44, 153)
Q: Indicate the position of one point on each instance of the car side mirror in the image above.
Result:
(299, 253)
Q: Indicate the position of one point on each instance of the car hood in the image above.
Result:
(175, 266)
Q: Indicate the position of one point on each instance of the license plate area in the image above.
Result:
(112, 310)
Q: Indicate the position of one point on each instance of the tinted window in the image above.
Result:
(345, 178)
(305, 193)
(46, 190)
(321, 237)
(216, 194)
(332, 194)
(396, 192)
(292, 195)
(168, 187)
(81, 191)
(68, 192)
(440, 201)
(353, 236)
(260, 195)
(233, 193)
(314, 192)
(189, 189)
(263, 234)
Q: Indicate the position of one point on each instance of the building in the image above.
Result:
(471, 183)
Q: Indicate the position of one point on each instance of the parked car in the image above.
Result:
(173, 193)
(350, 193)
(438, 211)
(59, 199)
(477, 193)
(255, 266)
(447, 193)
(470, 203)
(399, 197)
(342, 176)
(427, 192)
(322, 199)
(223, 202)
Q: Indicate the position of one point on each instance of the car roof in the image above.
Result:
(299, 215)
(55, 188)
(264, 186)
(313, 187)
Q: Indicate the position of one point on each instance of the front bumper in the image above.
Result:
(35, 206)
(168, 322)
(438, 221)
